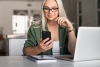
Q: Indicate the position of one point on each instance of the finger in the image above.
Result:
(63, 22)
(60, 21)
(50, 46)
(49, 42)
(40, 39)
(45, 40)
(56, 19)
(40, 47)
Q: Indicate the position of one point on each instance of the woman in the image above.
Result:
(54, 19)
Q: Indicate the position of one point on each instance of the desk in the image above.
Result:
(22, 61)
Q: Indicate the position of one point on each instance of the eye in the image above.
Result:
(54, 8)
(45, 8)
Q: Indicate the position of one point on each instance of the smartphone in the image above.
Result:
(46, 34)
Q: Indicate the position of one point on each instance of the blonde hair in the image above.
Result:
(61, 12)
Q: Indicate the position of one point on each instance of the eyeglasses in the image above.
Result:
(47, 9)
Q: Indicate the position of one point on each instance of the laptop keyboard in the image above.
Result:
(64, 57)
(71, 57)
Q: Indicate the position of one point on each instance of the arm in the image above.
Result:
(32, 51)
(71, 40)
(41, 47)
(32, 47)
(71, 35)
(31, 43)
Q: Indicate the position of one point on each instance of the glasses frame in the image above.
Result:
(50, 9)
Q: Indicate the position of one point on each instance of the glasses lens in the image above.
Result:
(46, 9)
(54, 9)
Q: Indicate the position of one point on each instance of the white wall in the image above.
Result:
(6, 12)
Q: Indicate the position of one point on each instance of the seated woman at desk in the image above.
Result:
(63, 37)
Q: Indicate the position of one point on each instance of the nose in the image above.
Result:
(50, 10)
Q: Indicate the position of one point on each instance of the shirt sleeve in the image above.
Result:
(31, 39)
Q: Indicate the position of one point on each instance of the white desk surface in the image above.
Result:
(22, 61)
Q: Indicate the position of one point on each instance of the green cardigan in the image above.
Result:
(34, 34)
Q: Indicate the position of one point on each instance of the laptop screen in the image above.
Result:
(88, 44)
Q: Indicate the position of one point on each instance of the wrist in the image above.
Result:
(70, 29)
(38, 49)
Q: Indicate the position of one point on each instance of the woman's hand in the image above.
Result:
(44, 45)
(62, 21)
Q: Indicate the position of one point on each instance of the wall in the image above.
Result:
(71, 10)
(7, 7)
(89, 13)
(6, 12)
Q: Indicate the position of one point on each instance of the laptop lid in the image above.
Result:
(88, 44)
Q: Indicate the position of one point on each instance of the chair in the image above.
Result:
(16, 47)
(15, 44)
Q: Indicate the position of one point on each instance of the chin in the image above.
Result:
(51, 19)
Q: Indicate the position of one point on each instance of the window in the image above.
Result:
(20, 21)
(98, 8)
(79, 12)
(23, 19)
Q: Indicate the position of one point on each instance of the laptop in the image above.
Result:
(87, 45)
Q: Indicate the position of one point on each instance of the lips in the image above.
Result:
(50, 16)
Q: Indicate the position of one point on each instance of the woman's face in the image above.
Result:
(51, 10)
